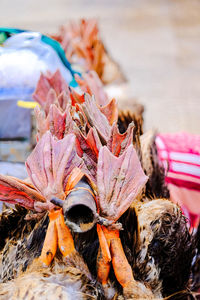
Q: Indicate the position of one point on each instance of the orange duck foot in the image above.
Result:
(111, 250)
(57, 235)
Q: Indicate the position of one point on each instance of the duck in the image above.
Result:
(85, 50)
(149, 229)
(65, 279)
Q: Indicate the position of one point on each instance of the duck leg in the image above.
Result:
(122, 269)
(51, 240)
(121, 266)
(58, 235)
(103, 258)
(65, 239)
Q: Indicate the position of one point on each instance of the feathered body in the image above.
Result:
(152, 234)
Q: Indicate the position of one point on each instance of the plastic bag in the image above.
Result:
(22, 59)
(23, 56)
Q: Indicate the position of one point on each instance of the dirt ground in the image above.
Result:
(157, 44)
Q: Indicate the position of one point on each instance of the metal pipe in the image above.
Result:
(79, 207)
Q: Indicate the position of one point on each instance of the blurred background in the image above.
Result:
(156, 43)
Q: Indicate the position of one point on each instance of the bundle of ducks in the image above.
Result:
(93, 220)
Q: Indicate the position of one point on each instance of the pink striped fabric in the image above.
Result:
(180, 154)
